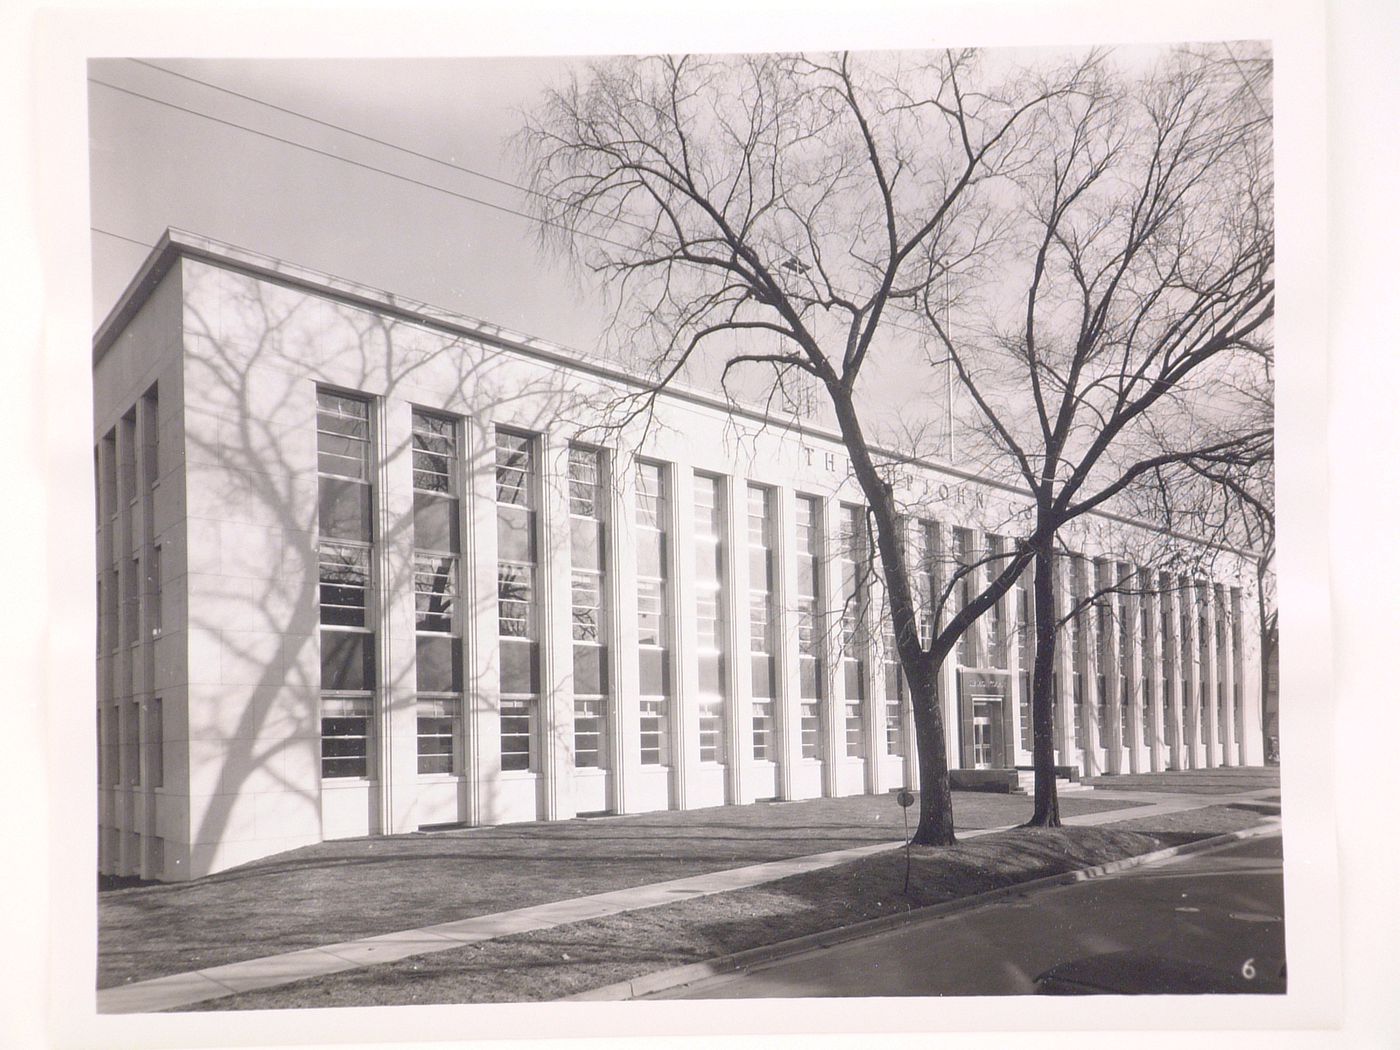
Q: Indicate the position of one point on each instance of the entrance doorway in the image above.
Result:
(988, 748)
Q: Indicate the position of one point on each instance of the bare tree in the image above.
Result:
(1140, 283)
(776, 211)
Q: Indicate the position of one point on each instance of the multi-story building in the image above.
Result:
(364, 566)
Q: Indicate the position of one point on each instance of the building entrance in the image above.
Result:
(983, 696)
(988, 750)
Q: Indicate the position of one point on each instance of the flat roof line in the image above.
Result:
(176, 243)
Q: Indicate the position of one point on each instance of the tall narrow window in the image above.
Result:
(1102, 627)
(1025, 643)
(709, 614)
(927, 580)
(131, 600)
(1125, 656)
(150, 434)
(810, 623)
(347, 623)
(761, 632)
(1144, 643)
(1237, 655)
(112, 744)
(155, 742)
(128, 489)
(1190, 728)
(437, 591)
(1205, 688)
(894, 692)
(156, 610)
(131, 744)
(1077, 632)
(855, 569)
(993, 629)
(150, 410)
(653, 601)
(1222, 654)
(964, 566)
(1171, 658)
(589, 586)
(517, 619)
(104, 752)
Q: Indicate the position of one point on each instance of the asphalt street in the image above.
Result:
(1204, 922)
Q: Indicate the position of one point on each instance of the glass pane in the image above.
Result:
(590, 669)
(332, 768)
(763, 677)
(514, 588)
(855, 679)
(347, 661)
(651, 554)
(655, 672)
(345, 510)
(515, 539)
(518, 667)
(586, 542)
(439, 665)
(435, 593)
(760, 569)
(711, 673)
(435, 523)
(584, 496)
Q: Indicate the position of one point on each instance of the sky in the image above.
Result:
(243, 151)
(154, 165)
(398, 174)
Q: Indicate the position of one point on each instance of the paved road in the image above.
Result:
(1159, 925)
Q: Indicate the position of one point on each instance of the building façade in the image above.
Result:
(364, 566)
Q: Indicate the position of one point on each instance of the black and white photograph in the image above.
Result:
(576, 527)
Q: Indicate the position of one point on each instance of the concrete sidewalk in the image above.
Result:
(185, 989)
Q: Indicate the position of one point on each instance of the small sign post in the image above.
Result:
(905, 798)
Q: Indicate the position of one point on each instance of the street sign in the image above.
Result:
(905, 797)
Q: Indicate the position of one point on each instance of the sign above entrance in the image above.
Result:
(980, 682)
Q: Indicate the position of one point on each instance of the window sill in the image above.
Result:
(345, 783)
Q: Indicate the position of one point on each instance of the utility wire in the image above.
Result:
(341, 128)
(120, 237)
(358, 164)
(384, 171)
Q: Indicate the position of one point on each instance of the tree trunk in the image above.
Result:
(1047, 802)
(935, 795)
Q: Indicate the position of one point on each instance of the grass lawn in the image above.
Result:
(553, 963)
(1218, 781)
(342, 890)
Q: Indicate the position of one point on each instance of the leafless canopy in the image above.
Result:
(1132, 327)
(788, 197)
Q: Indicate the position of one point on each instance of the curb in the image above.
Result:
(738, 962)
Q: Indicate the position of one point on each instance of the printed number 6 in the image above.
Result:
(1248, 969)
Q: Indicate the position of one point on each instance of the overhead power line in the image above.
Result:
(339, 127)
(355, 163)
(407, 151)
(120, 237)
